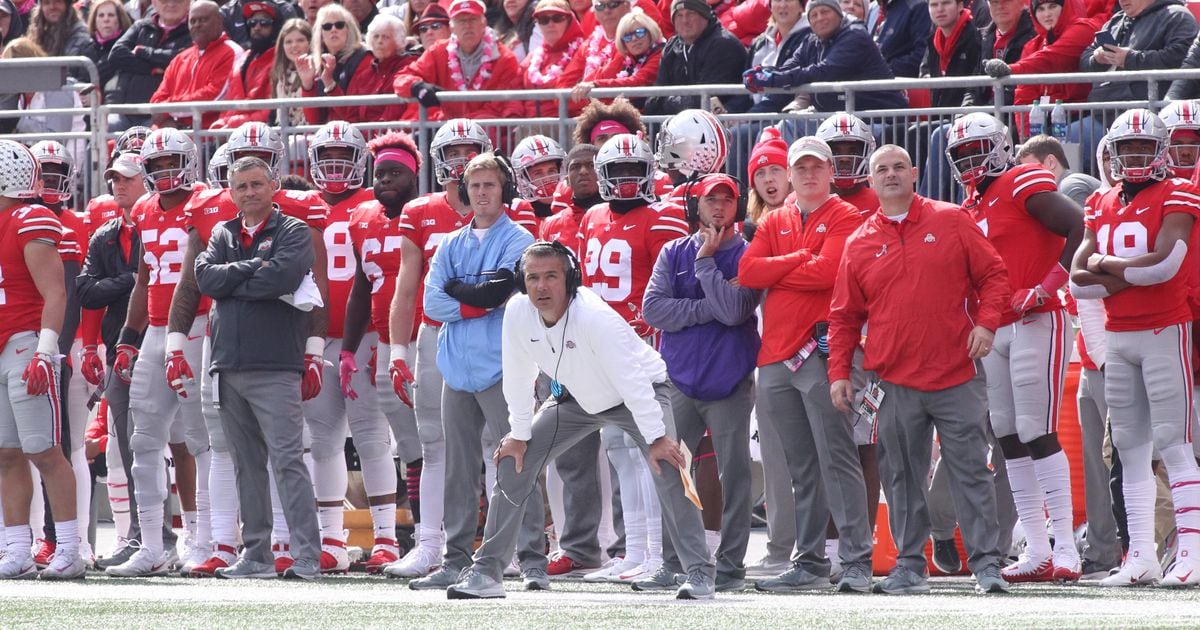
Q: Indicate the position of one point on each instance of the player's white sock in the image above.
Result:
(203, 499)
(330, 477)
(118, 489)
(1054, 477)
(20, 541)
(83, 488)
(331, 521)
(433, 493)
(1185, 494)
(489, 470)
(383, 518)
(832, 549)
(37, 507)
(280, 534)
(1140, 489)
(223, 499)
(633, 505)
(649, 497)
(67, 534)
(3, 530)
(189, 522)
(1027, 495)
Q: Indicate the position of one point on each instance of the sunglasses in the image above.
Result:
(556, 18)
(636, 33)
(425, 28)
(329, 26)
(260, 22)
(611, 5)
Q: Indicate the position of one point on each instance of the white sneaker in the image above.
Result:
(602, 574)
(643, 570)
(64, 567)
(513, 569)
(1136, 570)
(141, 564)
(171, 557)
(415, 564)
(1185, 572)
(87, 555)
(624, 568)
(194, 555)
(17, 567)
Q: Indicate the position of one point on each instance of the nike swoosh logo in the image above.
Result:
(534, 340)
(783, 232)
(191, 338)
(681, 273)
(22, 350)
(1185, 576)
(628, 227)
(1140, 210)
(1159, 330)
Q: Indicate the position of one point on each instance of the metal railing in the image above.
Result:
(508, 131)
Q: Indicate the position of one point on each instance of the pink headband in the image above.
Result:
(608, 128)
(398, 155)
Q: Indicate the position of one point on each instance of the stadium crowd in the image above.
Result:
(572, 324)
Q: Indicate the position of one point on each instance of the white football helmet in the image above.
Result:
(337, 175)
(848, 169)
(626, 148)
(1182, 116)
(169, 142)
(452, 133)
(992, 155)
(530, 152)
(20, 174)
(56, 187)
(1138, 165)
(131, 140)
(218, 167)
(260, 140)
(692, 142)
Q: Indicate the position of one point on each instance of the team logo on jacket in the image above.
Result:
(570, 345)
(265, 245)
(930, 238)
(821, 229)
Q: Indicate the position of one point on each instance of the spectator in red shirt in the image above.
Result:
(386, 36)
(471, 60)
(339, 65)
(252, 70)
(601, 44)
(639, 50)
(202, 71)
(561, 37)
(294, 42)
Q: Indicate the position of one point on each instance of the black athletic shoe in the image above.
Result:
(945, 556)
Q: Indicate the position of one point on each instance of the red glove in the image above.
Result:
(123, 365)
(347, 366)
(91, 366)
(1026, 300)
(179, 373)
(373, 364)
(313, 373)
(38, 374)
(402, 380)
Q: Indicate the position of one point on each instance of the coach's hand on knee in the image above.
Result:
(514, 448)
(666, 449)
(842, 393)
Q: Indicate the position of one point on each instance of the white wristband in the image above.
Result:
(175, 341)
(315, 345)
(399, 352)
(47, 342)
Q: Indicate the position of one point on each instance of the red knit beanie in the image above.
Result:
(771, 149)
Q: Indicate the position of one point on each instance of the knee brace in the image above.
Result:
(141, 442)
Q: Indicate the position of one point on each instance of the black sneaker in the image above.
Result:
(945, 556)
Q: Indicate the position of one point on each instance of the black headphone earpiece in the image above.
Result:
(509, 188)
(574, 272)
(692, 203)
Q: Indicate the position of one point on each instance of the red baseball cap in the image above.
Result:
(250, 8)
(467, 7)
(708, 183)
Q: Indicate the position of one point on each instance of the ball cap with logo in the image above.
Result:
(809, 146)
(126, 164)
(710, 183)
(466, 7)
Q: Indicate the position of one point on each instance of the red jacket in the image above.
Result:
(434, 67)
(747, 20)
(912, 283)
(1073, 33)
(797, 261)
(557, 57)
(660, 16)
(251, 81)
(363, 81)
(197, 75)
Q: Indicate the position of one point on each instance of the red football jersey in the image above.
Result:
(73, 246)
(1028, 248)
(164, 242)
(425, 221)
(377, 240)
(210, 207)
(563, 225)
(1129, 230)
(521, 212)
(619, 252)
(99, 211)
(20, 301)
(864, 199)
(339, 252)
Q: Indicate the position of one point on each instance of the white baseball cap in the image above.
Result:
(127, 164)
(809, 145)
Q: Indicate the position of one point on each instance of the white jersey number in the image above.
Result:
(1129, 239)
(340, 251)
(613, 262)
(370, 250)
(166, 267)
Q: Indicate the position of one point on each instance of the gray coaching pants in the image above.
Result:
(826, 474)
(728, 420)
(263, 421)
(940, 501)
(904, 430)
(556, 427)
(465, 416)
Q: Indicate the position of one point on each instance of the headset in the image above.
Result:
(509, 188)
(692, 203)
(574, 273)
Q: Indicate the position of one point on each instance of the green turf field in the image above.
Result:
(362, 602)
